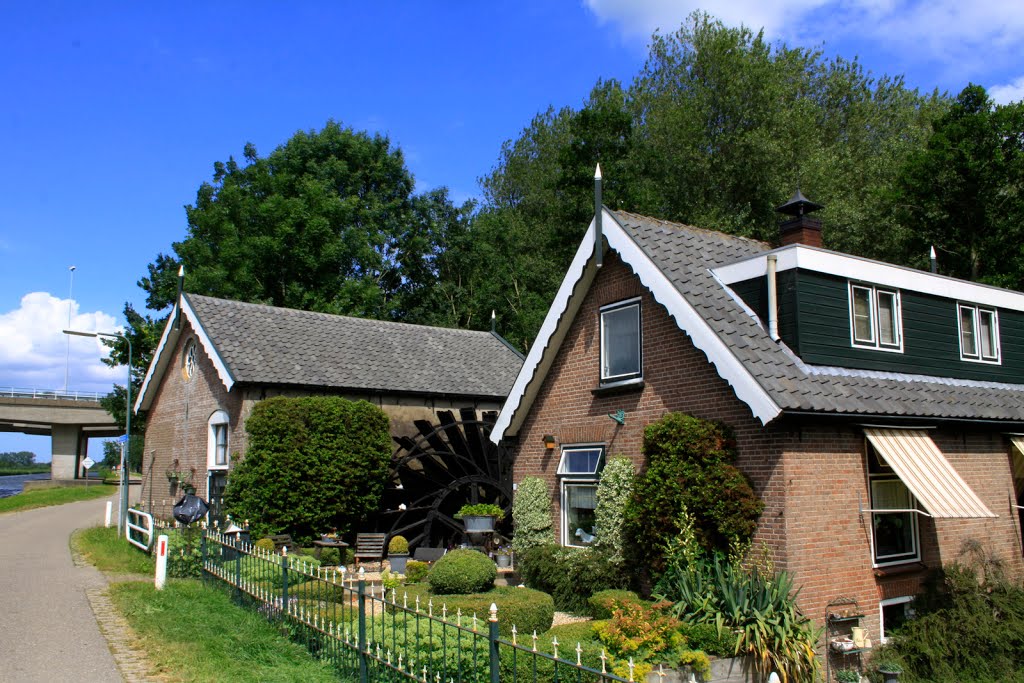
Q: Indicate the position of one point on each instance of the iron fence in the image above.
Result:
(369, 633)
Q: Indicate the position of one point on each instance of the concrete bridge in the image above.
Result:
(69, 418)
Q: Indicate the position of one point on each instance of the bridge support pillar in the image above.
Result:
(65, 445)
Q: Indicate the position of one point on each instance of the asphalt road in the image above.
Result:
(48, 632)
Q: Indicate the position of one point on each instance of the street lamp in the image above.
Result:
(122, 511)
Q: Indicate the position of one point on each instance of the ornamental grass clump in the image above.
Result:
(758, 608)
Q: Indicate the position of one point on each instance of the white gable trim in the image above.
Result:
(162, 356)
(567, 302)
(875, 272)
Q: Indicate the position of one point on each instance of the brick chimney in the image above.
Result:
(800, 228)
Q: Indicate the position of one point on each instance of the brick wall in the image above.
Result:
(812, 477)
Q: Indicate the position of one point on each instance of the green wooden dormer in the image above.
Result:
(848, 312)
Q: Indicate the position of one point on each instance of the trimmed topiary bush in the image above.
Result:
(570, 575)
(398, 546)
(312, 463)
(462, 572)
(603, 603)
(265, 544)
(531, 516)
(416, 571)
(706, 637)
(330, 557)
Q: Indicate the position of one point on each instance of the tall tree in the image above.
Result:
(964, 192)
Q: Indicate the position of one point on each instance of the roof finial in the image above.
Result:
(598, 206)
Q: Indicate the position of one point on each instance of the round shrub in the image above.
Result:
(706, 637)
(398, 545)
(462, 572)
(524, 608)
(330, 557)
(603, 603)
(416, 571)
(265, 544)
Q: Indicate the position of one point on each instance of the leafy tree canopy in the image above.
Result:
(964, 192)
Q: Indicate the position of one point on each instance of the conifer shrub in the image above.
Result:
(265, 544)
(398, 546)
(531, 516)
(570, 575)
(462, 572)
(688, 465)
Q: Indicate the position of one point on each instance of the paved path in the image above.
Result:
(48, 632)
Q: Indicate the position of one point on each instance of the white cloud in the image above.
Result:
(946, 31)
(1008, 92)
(33, 347)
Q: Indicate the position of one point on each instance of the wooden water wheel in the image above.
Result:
(439, 470)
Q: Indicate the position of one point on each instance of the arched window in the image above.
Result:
(217, 441)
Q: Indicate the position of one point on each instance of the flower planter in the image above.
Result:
(890, 675)
(503, 561)
(398, 561)
(478, 524)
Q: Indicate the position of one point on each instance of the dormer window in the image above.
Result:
(979, 333)
(875, 320)
(620, 342)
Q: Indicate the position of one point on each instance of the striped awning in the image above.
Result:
(920, 465)
(1018, 457)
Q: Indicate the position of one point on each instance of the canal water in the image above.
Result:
(13, 484)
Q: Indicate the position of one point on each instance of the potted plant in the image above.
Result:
(889, 669)
(398, 553)
(503, 556)
(480, 517)
(848, 676)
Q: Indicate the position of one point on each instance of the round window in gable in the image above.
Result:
(188, 363)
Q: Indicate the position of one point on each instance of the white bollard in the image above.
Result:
(106, 520)
(161, 561)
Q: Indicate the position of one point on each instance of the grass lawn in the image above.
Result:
(193, 633)
(109, 553)
(190, 632)
(27, 500)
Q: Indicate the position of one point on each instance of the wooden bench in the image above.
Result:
(282, 541)
(370, 547)
(428, 555)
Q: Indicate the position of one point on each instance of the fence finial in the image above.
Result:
(494, 612)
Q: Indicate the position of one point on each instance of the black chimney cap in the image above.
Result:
(798, 205)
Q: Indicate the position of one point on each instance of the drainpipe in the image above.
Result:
(773, 299)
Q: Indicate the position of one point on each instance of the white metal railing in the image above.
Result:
(141, 522)
(21, 392)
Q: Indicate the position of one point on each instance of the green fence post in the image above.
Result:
(493, 641)
(202, 553)
(364, 673)
(284, 580)
(238, 569)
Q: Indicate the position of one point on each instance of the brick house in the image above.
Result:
(875, 407)
(217, 358)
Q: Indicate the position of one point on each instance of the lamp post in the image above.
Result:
(122, 511)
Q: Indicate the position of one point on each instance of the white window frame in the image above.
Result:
(875, 342)
(975, 313)
(219, 418)
(874, 477)
(639, 372)
(568, 480)
(902, 600)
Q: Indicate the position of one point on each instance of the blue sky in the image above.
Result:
(115, 113)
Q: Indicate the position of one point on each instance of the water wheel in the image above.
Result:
(436, 472)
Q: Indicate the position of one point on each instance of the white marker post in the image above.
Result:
(161, 561)
(106, 519)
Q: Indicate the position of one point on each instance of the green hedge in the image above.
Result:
(527, 609)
